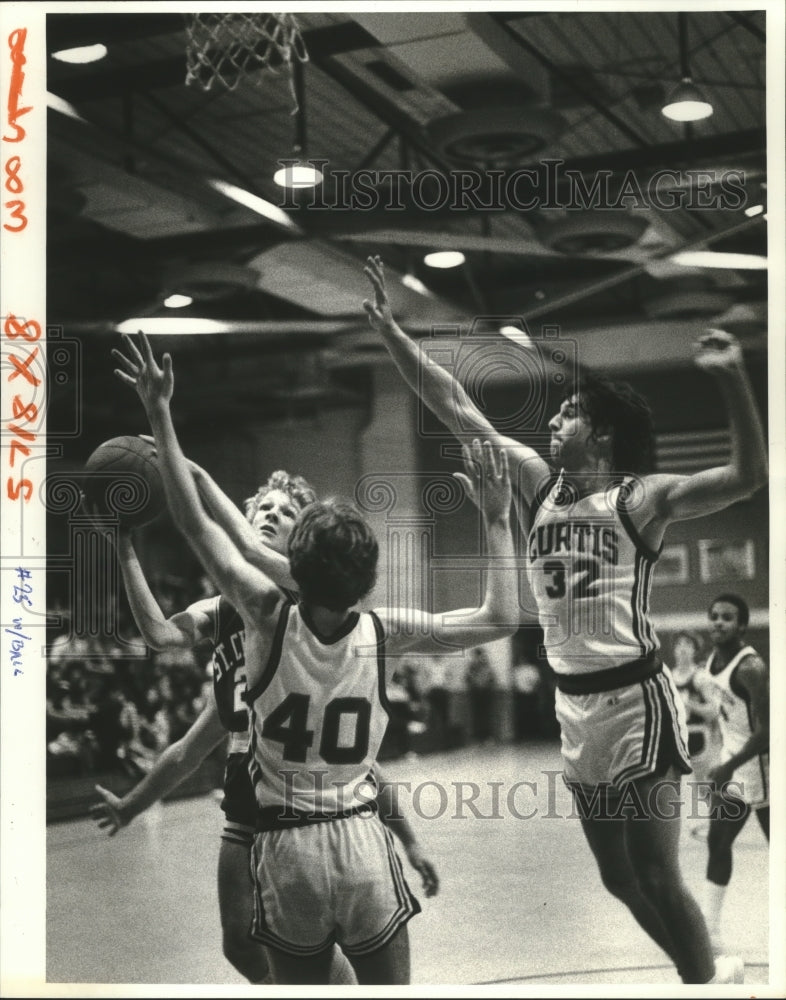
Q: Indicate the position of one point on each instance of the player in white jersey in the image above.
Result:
(741, 777)
(327, 850)
(272, 512)
(595, 521)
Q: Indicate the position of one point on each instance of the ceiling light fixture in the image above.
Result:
(177, 301)
(298, 175)
(81, 54)
(686, 103)
(298, 172)
(410, 281)
(60, 104)
(172, 325)
(753, 210)
(517, 335)
(255, 203)
(725, 261)
(444, 259)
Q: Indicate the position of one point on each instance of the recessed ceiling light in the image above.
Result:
(709, 258)
(177, 301)
(444, 258)
(410, 281)
(254, 202)
(298, 175)
(752, 210)
(81, 54)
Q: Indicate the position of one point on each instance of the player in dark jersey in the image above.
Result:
(333, 839)
(272, 513)
(594, 520)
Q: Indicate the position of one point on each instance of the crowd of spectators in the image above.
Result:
(112, 704)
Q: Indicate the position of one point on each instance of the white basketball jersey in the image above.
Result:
(591, 576)
(318, 715)
(735, 720)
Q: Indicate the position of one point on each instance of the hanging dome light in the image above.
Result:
(444, 259)
(686, 103)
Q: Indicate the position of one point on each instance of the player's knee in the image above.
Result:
(657, 880)
(622, 886)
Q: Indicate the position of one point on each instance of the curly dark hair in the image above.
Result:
(617, 408)
(333, 555)
(743, 611)
(301, 491)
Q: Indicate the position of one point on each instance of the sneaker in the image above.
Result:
(728, 969)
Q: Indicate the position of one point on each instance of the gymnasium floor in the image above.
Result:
(520, 904)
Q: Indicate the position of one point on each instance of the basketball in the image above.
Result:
(122, 478)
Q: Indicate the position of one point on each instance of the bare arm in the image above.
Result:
(174, 765)
(249, 590)
(442, 393)
(677, 498)
(753, 676)
(243, 536)
(392, 817)
(499, 614)
(181, 631)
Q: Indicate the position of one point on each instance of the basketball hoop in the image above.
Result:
(228, 47)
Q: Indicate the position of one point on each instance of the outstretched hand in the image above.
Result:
(139, 369)
(486, 478)
(109, 814)
(717, 349)
(379, 312)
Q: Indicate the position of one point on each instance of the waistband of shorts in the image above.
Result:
(282, 818)
(609, 680)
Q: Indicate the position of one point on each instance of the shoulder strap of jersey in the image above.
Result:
(271, 666)
(379, 629)
(542, 494)
(624, 492)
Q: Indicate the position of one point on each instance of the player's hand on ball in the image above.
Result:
(424, 868)
(379, 313)
(718, 349)
(108, 814)
(139, 369)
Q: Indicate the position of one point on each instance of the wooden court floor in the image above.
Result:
(520, 904)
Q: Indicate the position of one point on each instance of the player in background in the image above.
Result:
(272, 513)
(702, 708)
(599, 515)
(741, 777)
(316, 678)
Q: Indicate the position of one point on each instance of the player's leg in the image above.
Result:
(606, 838)
(763, 816)
(388, 966)
(236, 905)
(653, 849)
(729, 816)
(302, 970)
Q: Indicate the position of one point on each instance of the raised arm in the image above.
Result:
(487, 477)
(182, 631)
(442, 393)
(243, 536)
(753, 676)
(174, 765)
(241, 583)
(676, 498)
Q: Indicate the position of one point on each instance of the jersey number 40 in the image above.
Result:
(288, 724)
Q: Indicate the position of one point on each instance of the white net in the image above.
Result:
(226, 48)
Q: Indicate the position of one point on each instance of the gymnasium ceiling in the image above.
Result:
(133, 218)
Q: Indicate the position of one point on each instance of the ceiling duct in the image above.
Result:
(688, 298)
(209, 281)
(595, 231)
(501, 125)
